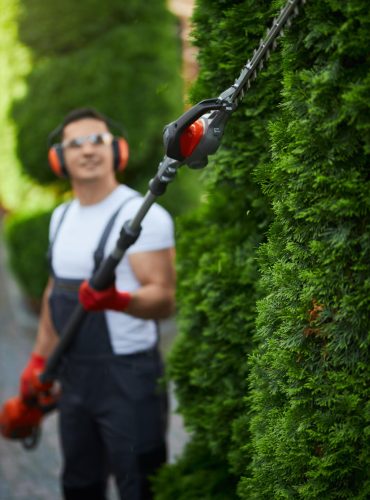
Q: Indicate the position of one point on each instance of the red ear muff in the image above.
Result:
(56, 161)
(120, 153)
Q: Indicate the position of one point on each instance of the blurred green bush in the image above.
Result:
(26, 237)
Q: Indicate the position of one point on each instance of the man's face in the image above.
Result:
(87, 149)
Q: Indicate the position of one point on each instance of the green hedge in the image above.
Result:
(310, 377)
(302, 431)
(218, 275)
(26, 237)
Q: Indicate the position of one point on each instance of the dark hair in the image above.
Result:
(80, 113)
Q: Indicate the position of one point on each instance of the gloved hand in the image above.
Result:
(111, 298)
(29, 381)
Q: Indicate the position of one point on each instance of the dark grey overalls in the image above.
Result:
(112, 413)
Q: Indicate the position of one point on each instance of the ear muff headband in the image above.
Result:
(56, 157)
(56, 161)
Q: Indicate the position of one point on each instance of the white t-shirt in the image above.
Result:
(78, 238)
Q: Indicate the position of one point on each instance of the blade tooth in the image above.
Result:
(288, 22)
(267, 55)
(260, 66)
(247, 85)
(281, 33)
(296, 10)
(274, 44)
(248, 65)
(254, 76)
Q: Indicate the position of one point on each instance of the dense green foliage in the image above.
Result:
(26, 237)
(193, 476)
(302, 431)
(218, 275)
(310, 377)
(111, 55)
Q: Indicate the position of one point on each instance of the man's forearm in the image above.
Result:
(152, 301)
(47, 338)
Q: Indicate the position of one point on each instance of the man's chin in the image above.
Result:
(89, 167)
(88, 170)
(88, 176)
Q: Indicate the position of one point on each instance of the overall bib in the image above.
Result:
(113, 414)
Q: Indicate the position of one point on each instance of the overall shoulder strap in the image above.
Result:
(66, 207)
(99, 252)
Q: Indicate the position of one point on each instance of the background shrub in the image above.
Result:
(16, 190)
(111, 55)
(26, 237)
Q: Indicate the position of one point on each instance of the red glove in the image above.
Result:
(111, 298)
(29, 382)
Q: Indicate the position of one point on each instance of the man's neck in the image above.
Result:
(90, 193)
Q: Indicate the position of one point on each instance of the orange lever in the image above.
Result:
(190, 138)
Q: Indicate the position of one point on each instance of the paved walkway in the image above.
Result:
(34, 475)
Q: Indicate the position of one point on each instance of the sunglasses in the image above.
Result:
(104, 138)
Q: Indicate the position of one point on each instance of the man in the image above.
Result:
(112, 412)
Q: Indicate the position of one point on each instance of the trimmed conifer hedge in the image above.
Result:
(302, 431)
(26, 237)
(218, 275)
(310, 378)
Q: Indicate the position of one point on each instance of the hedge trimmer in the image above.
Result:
(198, 132)
(187, 141)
